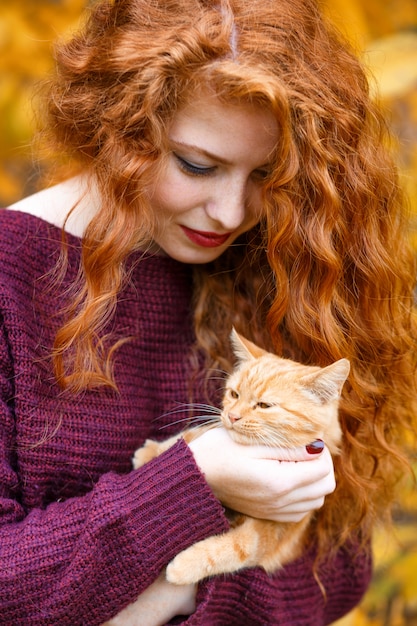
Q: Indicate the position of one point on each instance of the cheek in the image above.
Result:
(255, 205)
(251, 220)
(172, 194)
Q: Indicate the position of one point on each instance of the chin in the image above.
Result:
(194, 257)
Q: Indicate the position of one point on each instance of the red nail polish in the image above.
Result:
(315, 447)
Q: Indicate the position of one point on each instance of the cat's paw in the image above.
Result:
(146, 453)
(183, 570)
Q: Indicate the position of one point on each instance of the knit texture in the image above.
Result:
(81, 534)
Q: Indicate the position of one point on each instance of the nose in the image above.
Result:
(228, 203)
(233, 417)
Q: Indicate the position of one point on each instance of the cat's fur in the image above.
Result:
(270, 401)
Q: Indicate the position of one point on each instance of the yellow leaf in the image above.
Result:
(393, 62)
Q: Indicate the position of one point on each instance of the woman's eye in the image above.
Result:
(191, 168)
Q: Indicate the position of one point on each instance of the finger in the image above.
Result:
(312, 491)
(302, 508)
(291, 517)
(298, 454)
(288, 477)
(293, 512)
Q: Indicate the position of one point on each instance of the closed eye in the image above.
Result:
(263, 405)
(192, 168)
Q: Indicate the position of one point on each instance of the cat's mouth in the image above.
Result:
(238, 431)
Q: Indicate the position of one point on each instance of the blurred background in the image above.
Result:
(384, 33)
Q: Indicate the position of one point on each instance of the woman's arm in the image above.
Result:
(157, 605)
(83, 560)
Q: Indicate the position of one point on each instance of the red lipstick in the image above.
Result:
(205, 239)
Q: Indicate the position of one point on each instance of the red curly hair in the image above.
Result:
(326, 274)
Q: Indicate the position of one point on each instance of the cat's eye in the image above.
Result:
(233, 394)
(263, 405)
(261, 175)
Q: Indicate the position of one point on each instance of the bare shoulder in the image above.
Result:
(53, 204)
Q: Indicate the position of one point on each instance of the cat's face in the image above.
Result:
(277, 402)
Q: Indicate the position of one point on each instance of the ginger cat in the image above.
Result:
(272, 401)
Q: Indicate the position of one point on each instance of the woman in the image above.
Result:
(230, 171)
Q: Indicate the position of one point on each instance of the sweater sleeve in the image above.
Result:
(81, 560)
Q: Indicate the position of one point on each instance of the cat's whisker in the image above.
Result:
(205, 418)
(269, 438)
(180, 409)
(186, 420)
(209, 424)
(207, 407)
(275, 438)
(190, 407)
(201, 420)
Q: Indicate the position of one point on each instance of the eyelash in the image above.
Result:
(194, 170)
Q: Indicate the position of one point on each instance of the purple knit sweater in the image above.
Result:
(81, 535)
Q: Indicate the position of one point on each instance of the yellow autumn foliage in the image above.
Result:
(385, 33)
(27, 31)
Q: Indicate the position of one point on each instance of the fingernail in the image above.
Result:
(315, 447)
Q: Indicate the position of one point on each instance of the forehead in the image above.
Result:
(229, 130)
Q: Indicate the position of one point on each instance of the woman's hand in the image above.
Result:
(269, 483)
(157, 605)
(278, 484)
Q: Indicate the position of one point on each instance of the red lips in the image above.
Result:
(205, 239)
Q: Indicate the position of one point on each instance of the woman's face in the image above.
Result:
(210, 190)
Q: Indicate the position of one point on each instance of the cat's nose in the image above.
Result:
(233, 418)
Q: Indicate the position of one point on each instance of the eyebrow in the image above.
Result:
(201, 151)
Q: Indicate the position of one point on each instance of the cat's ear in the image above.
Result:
(326, 384)
(244, 349)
